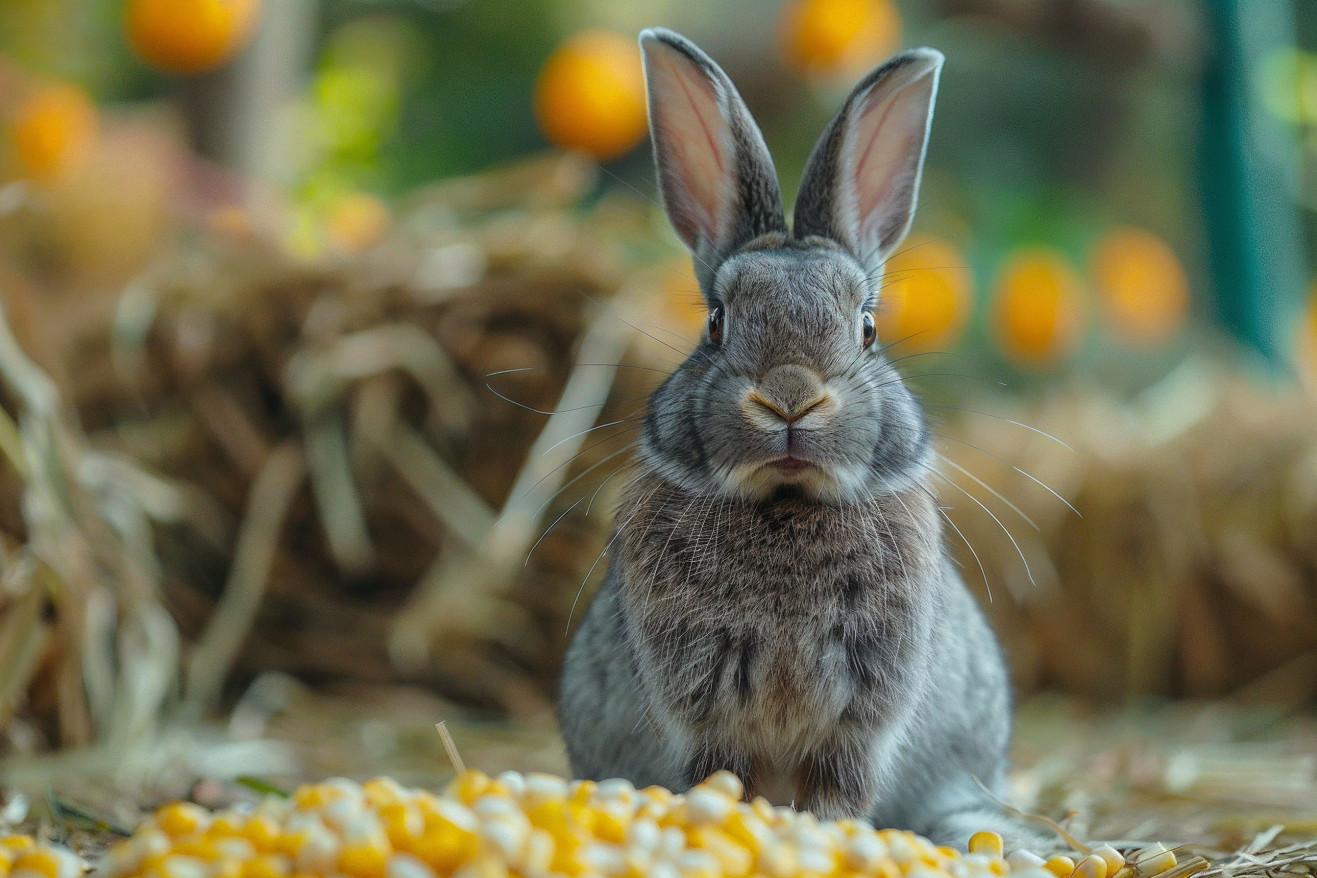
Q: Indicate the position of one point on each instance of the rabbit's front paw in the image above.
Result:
(836, 782)
(712, 758)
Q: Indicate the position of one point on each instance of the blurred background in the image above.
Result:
(326, 324)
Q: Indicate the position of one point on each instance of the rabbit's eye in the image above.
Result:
(716, 325)
(869, 333)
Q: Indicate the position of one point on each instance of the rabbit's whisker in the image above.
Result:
(549, 529)
(574, 365)
(1028, 475)
(617, 469)
(612, 455)
(579, 408)
(567, 462)
(1006, 419)
(964, 539)
(1028, 572)
(629, 418)
(991, 490)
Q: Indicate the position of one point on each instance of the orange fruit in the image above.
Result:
(590, 95)
(357, 222)
(53, 132)
(1141, 284)
(190, 36)
(838, 37)
(925, 298)
(1038, 307)
(682, 309)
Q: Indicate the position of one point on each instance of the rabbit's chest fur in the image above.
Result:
(774, 623)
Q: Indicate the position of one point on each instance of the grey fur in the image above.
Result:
(803, 629)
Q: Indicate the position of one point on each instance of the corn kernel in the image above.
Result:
(1091, 866)
(1112, 857)
(734, 860)
(539, 825)
(726, 783)
(1153, 860)
(407, 866)
(483, 867)
(40, 861)
(988, 842)
(1061, 866)
(364, 860)
(1019, 860)
(17, 842)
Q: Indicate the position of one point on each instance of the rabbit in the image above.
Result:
(778, 601)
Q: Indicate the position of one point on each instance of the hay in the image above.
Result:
(1193, 570)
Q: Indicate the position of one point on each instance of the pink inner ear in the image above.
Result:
(885, 142)
(693, 134)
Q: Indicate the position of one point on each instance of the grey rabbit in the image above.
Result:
(779, 602)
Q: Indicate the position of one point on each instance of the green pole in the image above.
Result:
(1248, 173)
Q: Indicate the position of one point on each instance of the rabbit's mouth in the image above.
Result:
(790, 464)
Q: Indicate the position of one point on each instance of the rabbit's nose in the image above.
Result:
(790, 392)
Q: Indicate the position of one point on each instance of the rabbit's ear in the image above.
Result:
(862, 180)
(718, 183)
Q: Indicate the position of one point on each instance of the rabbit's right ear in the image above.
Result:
(718, 183)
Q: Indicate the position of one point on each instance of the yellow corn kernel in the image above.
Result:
(17, 842)
(707, 805)
(697, 864)
(726, 783)
(364, 860)
(987, 842)
(764, 810)
(582, 791)
(314, 796)
(1091, 866)
(182, 866)
(40, 861)
(611, 823)
(261, 831)
(1060, 866)
(733, 858)
(538, 856)
(266, 866)
(402, 824)
(381, 791)
(582, 815)
(469, 786)
(483, 867)
(6, 859)
(747, 828)
(1153, 860)
(778, 860)
(1112, 857)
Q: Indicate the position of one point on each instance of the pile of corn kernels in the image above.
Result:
(541, 825)
(22, 856)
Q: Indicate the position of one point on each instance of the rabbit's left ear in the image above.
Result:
(862, 180)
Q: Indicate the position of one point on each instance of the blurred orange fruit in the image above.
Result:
(54, 130)
(683, 307)
(590, 95)
(190, 36)
(925, 299)
(1038, 307)
(1143, 288)
(357, 222)
(838, 37)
